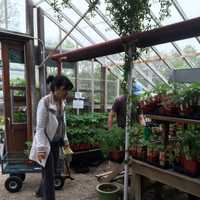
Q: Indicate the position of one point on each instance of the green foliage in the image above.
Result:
(113, 139)
(18, 82)
(2, 121)
(190, 140)
(57, 5)
(19, 116)
(163, 89)
(136, 134)
(179, 93)
(86, 128)
(129, 15)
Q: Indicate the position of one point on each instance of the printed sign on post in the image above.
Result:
(78, 104)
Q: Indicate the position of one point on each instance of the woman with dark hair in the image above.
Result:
(50, 133)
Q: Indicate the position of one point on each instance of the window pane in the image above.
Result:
(16, 15)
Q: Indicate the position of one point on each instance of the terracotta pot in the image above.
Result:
(116, 155)
(149, 154)
(191, 166)
(75, 147)
(133, 152)
(142, 153)
(152, 155)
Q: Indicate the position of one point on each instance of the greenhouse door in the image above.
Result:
(16, 95)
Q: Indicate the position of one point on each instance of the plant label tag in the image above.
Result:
(78, 95)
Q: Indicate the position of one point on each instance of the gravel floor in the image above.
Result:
(81, 188)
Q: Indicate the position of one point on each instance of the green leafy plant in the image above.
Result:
(19, 116)
(18, 82)
(112, 140)
(86, 128)
(190, 141)
(134, 15)
(136, 134)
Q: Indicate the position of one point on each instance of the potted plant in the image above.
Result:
(191, 149)
(108, 191)
(164, 156)
(112, 144)
(136, 134)
(82, 130)
(142, 149)
(152, 152)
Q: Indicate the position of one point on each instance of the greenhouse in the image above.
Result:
(100, 99)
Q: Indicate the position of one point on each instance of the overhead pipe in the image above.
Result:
(170, 33)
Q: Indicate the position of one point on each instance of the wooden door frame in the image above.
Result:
(23, 45)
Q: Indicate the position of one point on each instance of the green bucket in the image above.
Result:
(108, 191)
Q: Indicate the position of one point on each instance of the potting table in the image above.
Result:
(168, 177)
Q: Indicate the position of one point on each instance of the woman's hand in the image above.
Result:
(67, 150)
(41, 156)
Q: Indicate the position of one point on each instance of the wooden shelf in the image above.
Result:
(172, 119)
(168, 177)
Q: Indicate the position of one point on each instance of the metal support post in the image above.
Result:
(131, 52)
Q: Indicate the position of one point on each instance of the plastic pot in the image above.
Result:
(108, 191)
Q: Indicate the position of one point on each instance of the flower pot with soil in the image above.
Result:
(108, 191)
(116, 155)
(152, 153)
(190, 140)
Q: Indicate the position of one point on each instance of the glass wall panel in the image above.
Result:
(2, 14)
(16, 15)
(51, 40)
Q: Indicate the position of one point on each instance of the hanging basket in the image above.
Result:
(108, 191)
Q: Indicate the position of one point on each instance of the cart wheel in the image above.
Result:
(59, 182)
(22, 176)
(13, 184)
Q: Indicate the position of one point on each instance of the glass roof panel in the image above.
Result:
(189, 48)
(195, 59)
(80, 4)
(148, 72)
(90, 32)
(192, 42)
(80, 38)
(177, 61)
(153, 60)
(174, 15)
(51, 40)
(144, 82)
(190, 7)
(71, 14)
(166, 48)
(106, 30)
(68, 43)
